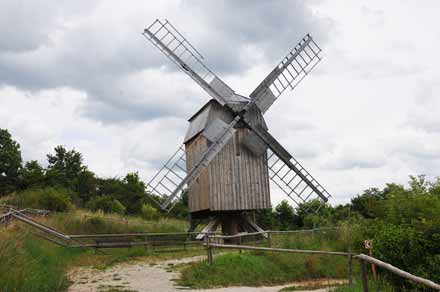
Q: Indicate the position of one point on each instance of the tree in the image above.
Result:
(285, 215)
(10, 163)
(367, 203)
(64, 167)
(134, 193)
(32, 175)
(419, 185)
(434, 187)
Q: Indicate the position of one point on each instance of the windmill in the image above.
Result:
(228, 156)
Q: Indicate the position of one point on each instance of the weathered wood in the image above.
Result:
(364, 278)
(350, 270)
(246, 247)
(398, 271)
(235, 179)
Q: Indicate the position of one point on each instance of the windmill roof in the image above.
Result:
(213, 110)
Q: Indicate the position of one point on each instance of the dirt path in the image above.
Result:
(145, 277)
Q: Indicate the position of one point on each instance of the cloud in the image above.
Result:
(89, 49)
(350, 157)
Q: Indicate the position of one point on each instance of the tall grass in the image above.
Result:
(87, 222)
(29, 264)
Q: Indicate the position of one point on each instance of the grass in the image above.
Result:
(373, 286)
(257, 269)
(263, 268)
(86, 222)
(27, 264)
(30, 264)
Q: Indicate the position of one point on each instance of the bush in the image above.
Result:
(149, 212)
(54, 199)
(107, 204)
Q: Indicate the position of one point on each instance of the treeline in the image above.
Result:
(67, 182)
(371, 204)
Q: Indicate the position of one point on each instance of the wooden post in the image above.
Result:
(373, 267)
(350, 270)
(239, 242)
(269, 239)
(364, 278)
(209, 249)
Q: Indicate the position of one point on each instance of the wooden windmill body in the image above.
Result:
(229, 155)
(237, 180)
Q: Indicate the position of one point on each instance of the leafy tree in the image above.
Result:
(285, 215)
(419, 185)
(64, 167)
(266, 219)
(434, 187)
(180, 209)
(10, 163)
(85, 184)
(314, 213)
(366, 203)
(32, 175)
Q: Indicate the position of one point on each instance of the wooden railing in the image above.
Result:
(210, 244)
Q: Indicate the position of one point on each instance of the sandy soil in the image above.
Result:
(147, 277)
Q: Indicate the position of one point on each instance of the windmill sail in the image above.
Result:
(288, 73)
(169, 176)
(287, 173)
(163, 35)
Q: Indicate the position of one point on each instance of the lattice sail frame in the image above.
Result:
(164, 36)
(296, 65)
(288, 73)
(169, 177)
(290, 183)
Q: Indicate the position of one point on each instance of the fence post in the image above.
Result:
(239, 242)
(209, 249)
(364, 276)
(350, 270)
(269, 239)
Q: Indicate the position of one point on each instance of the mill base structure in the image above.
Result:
(230, 223)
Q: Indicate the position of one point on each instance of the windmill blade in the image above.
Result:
(169, 176)
(288, 73)
(163, 35)
(287, 173)
(222, 136)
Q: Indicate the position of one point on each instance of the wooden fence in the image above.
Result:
(210, 244)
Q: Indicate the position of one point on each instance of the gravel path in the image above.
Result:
(145, 277)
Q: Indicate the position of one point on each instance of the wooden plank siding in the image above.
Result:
(236, 179)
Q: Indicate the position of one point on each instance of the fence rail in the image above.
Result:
(361, 257)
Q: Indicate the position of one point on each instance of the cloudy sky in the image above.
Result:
(79, 73)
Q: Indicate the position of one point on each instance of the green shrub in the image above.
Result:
(149, 212)
(107, 204)
(55, 199)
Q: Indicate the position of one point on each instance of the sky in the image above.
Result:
(80, 74)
